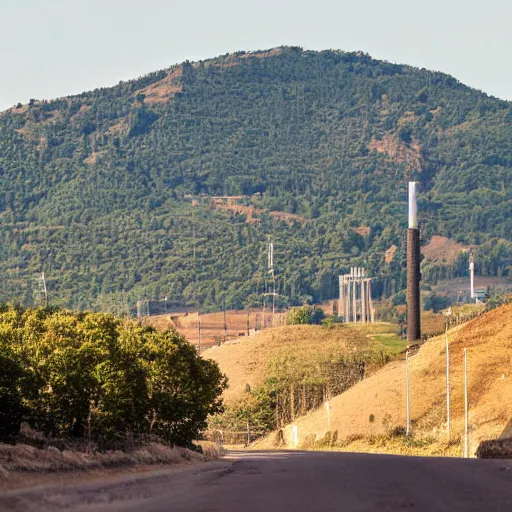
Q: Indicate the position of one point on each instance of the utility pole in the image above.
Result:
(198, 331)
(139, 310)
(262, 323)
(41, 291)
(407, 405)
(194, 259)
(354, 297)
(225, 324)
(45, 290)
(466, 406)
(447, 381)
(363, 299)
(472, 274)
(271, 271)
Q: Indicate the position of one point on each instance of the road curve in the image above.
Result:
(296, 481)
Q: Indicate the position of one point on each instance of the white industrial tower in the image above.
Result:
(355, 303)
(272, 273)
(472, 274)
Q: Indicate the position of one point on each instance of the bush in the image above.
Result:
(305, 315)
(399, 299)
(184, 389)
(496, 300)
(435, 302)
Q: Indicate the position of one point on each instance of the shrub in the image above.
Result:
(305, 315)
(184, 389)
(435, 302)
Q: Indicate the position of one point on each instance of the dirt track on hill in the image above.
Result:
(298, 481)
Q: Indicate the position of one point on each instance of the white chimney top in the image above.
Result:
(413, 206)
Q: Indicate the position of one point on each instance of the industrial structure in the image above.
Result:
(272, 273)
(413, 269)
(472, 275)
(355, 303)
(41, 292)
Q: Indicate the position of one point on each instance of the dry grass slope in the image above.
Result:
(246, 361)
(377, 404)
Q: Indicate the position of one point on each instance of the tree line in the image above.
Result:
(102, 380)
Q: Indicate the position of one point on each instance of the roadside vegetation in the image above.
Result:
(96, 379)
(24, 458)
(301, 367)
(371, 416)
(394, 442)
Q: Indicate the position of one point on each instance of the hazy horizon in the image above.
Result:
(67, 49)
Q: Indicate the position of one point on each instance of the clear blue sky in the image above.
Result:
(52, 48)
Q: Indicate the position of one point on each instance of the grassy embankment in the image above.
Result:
(285, 372)
(370, 416)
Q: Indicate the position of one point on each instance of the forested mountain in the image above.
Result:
(108, 191)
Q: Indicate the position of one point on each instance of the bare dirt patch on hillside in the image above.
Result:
(93, 158)
(19, 110)
(165, 89)
(252, 214)
(363, 231)
(398, 151)
(120, 127)
(389, 255)
(441, 248)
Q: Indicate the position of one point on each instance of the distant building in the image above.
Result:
(480, 294)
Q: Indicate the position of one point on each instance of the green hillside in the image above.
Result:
(98, 189)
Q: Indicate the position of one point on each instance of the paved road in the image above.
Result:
(291, 481)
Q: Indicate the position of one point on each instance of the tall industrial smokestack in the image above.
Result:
(413, 269)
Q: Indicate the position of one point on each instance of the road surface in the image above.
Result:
(289, 481)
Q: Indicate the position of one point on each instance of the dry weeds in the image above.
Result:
(401, 445)
(26, 458)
